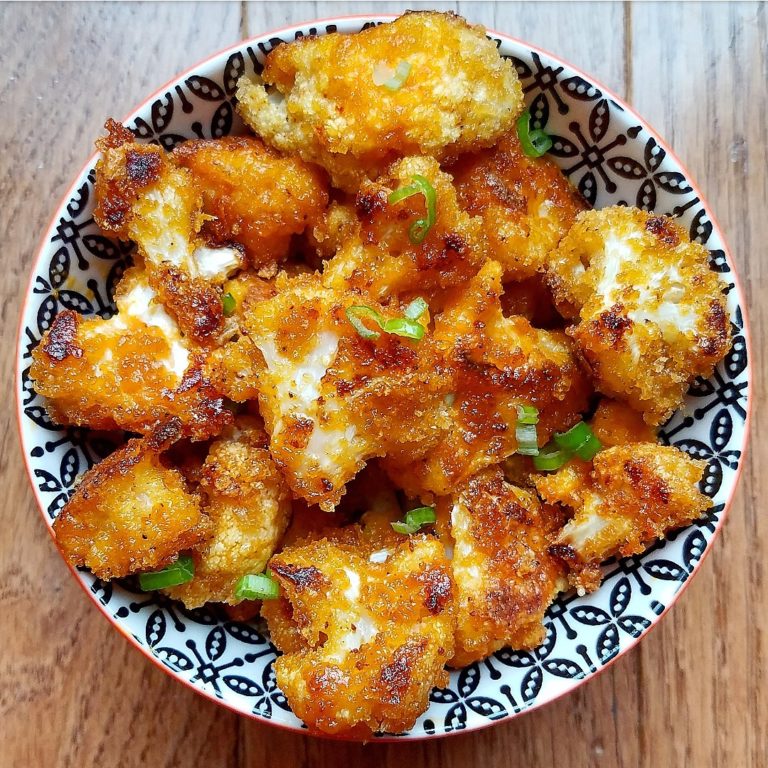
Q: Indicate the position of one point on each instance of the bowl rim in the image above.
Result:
(385, 17)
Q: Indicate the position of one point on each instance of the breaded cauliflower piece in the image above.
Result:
(131, 371)
(526, 204)
(632, 495)
(255, 196)
(142, 195)
(325, 99)
(365, 634)
(377, 257)
(331, 399)
(650, 313)
(494, 364)
(248, 504)
(505, 577)
(130, 513)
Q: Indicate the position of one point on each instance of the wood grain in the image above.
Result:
(694, 691)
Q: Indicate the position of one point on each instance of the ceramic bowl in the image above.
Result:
(612, 156)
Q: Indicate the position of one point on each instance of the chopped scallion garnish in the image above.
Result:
(414, 520)
(534, 142)
(527, 439)
(180, 572)
(407, 326)
(549, 459)
(397, 81)
(416, 308)
(525, 430)
(228, 304)
(257, 586)
(578, 441)
(419, 229)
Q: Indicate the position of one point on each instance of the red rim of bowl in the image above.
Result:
(481, 726)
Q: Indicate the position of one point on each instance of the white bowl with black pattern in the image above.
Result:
(612, 156)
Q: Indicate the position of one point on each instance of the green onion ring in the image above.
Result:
(257, 586)
(418, 231)
(228, 304)
(396, 82)
(534, 142)
(179, 572)
(414, 520)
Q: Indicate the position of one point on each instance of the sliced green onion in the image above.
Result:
(407, 326)
(403, 326)
(419, 229)
(527, 439)
(414, 520)
(257, 586)
(416, 309)
(589, 448)
(574, 437)
(579, 441)
(550, 459)
(355, 314)
(396, 82)
(536, 142)
(228, 303)
(180, 572)
(527, 414)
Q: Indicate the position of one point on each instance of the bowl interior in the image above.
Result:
(612, 157)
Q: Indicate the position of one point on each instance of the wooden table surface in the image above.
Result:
(72, 692)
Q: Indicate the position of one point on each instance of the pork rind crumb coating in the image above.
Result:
(650, 313)
(493, 364)
(144, 196)
(248, 504)
(320, 99)
(375, 254)
(130, 513)
(365, 632)
(632, 495)
(505, 577)
(526, 204)
(131, 371)
(253, 196)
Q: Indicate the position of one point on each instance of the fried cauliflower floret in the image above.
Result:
(525, 203)
(142, 195)
(495, 364)
(131, 371)
(650, 313)
(324, 98)
(379, 257)
(331, 399)
(632, 495)
(130, 513)
(247, 502)
(505, 577)
(255, 196)
(365, 635)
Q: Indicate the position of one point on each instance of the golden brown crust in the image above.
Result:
(650, 313)
(253, 196)
(365, 633)
(132, 371)
(327, 107)
(130, 513)
(247, 502)
(526, 204)
(505, 576)
(631, 495)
